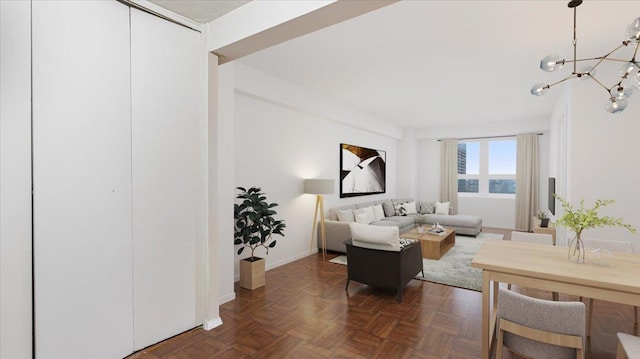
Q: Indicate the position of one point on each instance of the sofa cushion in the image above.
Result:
(459, 220)
(346, 216)
(375, 237)
(386, 222)
(402, 220)
(387, 206)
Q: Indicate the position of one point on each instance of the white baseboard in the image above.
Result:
(227, 298)
(212, 323)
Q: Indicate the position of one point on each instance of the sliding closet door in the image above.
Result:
(168, 196)
(82, 179)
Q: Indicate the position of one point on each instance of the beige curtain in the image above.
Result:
(449, 173)
(526, 181)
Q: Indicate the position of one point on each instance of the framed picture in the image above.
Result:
(362, 171)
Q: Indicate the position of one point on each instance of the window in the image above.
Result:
(487, 167)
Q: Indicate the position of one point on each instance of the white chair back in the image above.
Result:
(540, 238)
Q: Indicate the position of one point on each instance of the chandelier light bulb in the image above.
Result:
(621, 92)
(539, 89)
(615, 105)
(551, 63)
(636, 80)
(627, 68)
(633, 31)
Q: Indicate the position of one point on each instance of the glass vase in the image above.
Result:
(576, 250)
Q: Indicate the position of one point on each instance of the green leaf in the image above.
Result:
(240, 250)
(272, 244)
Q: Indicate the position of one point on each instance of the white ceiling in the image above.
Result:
(200, 11)
(433, 63)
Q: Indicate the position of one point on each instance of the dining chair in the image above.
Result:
(540, 238)
(538, 328)
(592, 244)
(628, 346)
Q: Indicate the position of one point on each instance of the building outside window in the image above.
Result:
(487, 167)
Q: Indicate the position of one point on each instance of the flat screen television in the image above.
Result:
(552, 199)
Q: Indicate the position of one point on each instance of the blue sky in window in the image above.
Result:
(502, 157)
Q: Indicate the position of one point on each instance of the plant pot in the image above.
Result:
(544, 222)
(252, 273)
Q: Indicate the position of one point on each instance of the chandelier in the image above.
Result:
(629, 72)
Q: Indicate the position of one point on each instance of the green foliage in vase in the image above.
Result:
(581, 218)
(254, 221)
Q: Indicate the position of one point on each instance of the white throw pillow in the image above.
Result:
(378, 212)
(346, 216)
(368, 211)
(442, 208)
(410, 208)
(362, 218)
(375, 237)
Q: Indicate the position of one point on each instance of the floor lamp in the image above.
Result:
(319, 187)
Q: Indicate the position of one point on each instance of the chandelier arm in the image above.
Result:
(597, 58)
(606, 56)
(601, 84)
(563, 80)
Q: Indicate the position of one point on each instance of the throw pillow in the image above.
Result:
(346, 216)
(399, 210)
(442, 208)
(389, 211)
(366, 210)
(427, 207)
(410, 207)
(362, 218)
(378, 212)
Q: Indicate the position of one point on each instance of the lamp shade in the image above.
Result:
(319, 186)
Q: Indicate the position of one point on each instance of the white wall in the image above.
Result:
(222, 174)
(278, 144)
(15, 180)
(603, 161)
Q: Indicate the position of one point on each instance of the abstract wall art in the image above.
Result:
(362, 171)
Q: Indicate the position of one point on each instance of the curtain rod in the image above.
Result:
(481, 138)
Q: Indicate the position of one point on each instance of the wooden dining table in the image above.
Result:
(547, 267)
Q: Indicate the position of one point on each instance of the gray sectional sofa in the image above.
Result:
(338, 231)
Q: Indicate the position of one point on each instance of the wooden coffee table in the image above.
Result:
(434, 246)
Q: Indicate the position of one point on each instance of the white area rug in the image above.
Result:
(454, 268)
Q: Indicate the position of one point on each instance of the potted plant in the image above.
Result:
(544, 220)
(579, 219)
(254, 227)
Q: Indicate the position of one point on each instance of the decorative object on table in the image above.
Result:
(579, 219)
(362, 171)
(544, 220)
(629, 72)
(319, 187)
(254, 227)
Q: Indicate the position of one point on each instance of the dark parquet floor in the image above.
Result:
(304, 312)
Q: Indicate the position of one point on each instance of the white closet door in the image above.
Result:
(167, 127)
(82, 179)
